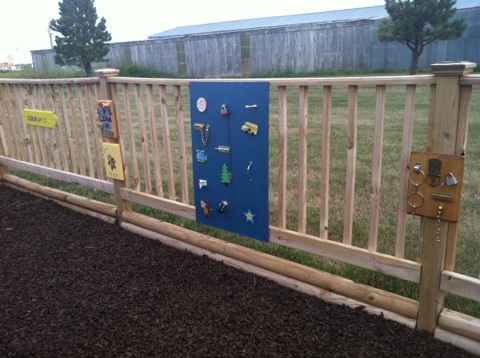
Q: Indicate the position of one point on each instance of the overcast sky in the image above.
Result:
(25, 22)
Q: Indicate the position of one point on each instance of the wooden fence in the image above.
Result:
(316, 189)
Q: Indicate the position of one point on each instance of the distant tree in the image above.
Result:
(417, 23)
(83, 38)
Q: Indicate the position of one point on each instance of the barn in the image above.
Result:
(323, 41)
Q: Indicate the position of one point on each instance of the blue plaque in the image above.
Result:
(230, 151)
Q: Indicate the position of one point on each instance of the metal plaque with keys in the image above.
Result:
(435, 185)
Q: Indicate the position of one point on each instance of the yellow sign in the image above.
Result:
(112, 157)
(39, 118)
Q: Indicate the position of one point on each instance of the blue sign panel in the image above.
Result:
(230, 126)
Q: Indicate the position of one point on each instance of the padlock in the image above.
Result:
(450, 179)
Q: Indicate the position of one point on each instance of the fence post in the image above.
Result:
(106, 94)
(446, 133)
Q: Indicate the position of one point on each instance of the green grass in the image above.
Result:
(468, 248)
(125, 71)
(136, 71)
(29, 72)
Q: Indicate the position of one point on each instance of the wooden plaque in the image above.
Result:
(40, 118)
(106, 116)
(435, 181)
(112, 157)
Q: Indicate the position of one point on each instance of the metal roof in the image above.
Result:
(372, 13)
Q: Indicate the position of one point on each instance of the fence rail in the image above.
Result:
(329, 199)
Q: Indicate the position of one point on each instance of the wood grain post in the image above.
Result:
(106, 94)
(443, 135)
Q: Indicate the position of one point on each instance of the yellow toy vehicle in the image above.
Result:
(250, 128)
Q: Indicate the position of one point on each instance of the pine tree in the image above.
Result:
(83, 38)
(417, 23)
(226, 175)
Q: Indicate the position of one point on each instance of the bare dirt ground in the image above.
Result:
(74, 286)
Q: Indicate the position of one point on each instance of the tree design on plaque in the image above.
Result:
(226, 177)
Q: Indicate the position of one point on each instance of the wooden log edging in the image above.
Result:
(60, 175)
(368, 295)
(79, 204)
(467, 344)
(461, 324)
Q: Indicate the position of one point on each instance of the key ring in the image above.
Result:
(417, 171)
(413, 205)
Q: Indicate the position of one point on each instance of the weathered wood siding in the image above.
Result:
(322, 47)
(349, 45)
(213, 56)
(157, 56)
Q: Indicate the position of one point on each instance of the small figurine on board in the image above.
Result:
(111, 162)
(206, 209)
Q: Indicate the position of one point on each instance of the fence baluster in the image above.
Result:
(351, 164)
(144, 139)
(11, 145)
(18, 113)
(181, 143)
(404, 171)
(302, 158)
(59, 130)
(376, 167)
(35, 131)
(154, 137)
(76, 131)
(52, 140)
(68, 133)
(84, 129)
(325, 167)
(282, 155)
(167, 143)
(94, 132)
(131, 137)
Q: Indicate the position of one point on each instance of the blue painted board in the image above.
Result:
(232, 157)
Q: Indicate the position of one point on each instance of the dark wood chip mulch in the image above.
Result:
(75, 286)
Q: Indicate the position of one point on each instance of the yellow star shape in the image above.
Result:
(249, 216)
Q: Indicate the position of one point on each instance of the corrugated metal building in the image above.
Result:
(332, 40)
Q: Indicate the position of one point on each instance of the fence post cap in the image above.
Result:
(107, 72)
(452, 68)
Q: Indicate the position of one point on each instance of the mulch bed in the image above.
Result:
(71, 285)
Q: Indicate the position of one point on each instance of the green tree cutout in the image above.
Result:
(417, 23)
(226, 177)
(83, 38)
